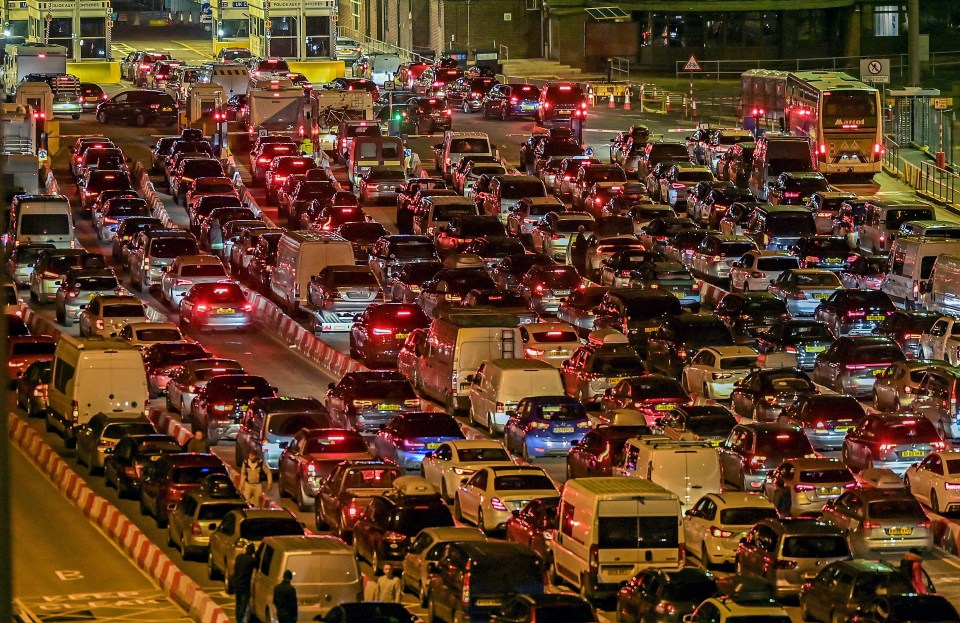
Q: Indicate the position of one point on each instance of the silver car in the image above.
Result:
(187, 378)
(107, 315)
(78, 288)
(878, 521)
(803, 289)
(197, 517)
(21, 261)
(807, 484)
(185, 272)
(338, 294)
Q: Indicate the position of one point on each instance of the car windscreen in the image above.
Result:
(123, 310)
(194, 475)
(522, 482)
(34, 348)
(777, 263)
(44, 224)
(216, 511)
(482, 455)
(173, 247)
(97, 283)
(202, 270)
(255, 529)
(815, 546)
(521, 188)
(746, 516)
(656, 532)
(287, 424)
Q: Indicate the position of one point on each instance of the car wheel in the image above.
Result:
(102, 117)
(375, 562)
(804, 613)
(457, 511)
(704, 557)
(525, 453)
(302, 499)
(706, 391)
(443, 486)
(424, 596)
(213, 573)
(934, 502)
(480, 524)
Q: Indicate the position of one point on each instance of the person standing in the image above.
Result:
(388, 586)
(253, 474)
(243, 568)
(285, 599)
(199, 442)
(578, 250)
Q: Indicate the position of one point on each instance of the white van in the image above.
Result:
(300, 256)
(498, 385)
(882, 221)
(911, 265)
(367, 152)
(611, 528)
(41, 218)
(324, 569)
(690, 469)
(233, 77)
(458, 341)
(93, 375)
(943, 290)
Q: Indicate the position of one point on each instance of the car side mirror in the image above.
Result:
(689, 513)
(431, 566)
(428, 455)
(283, 445)
(515, 512)
(471, 378)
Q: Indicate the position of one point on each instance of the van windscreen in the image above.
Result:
(44, 224)
(636, 532)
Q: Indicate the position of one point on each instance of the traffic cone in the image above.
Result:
(626, 100)
(590, 97)
(611, 104)
(693, 108)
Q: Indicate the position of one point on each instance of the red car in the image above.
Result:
(376, 337)
(164, 482)
(24, 350)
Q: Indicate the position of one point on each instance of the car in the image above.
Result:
(197, 517)
(90, 96)
(187, 271)
(77, 289)
(367, 401)
(411, 435)
(380, 184)
(753, 449)
(715, 524)
(160, 359)
(866, 272)
(362, 237)
(899, 608)
(508, 101)
(378, 333)
(385, 530)
(455, 461)
(672, 343)
(123, 466)
(657, 595)
(796, 188)
(748, 314)
(220, 404)
(710, 423)
(492, 249)
(554, 233)
(116, 210)
(408, 281)
(544, 287)
(618, 270)
(489, 496)
(878, 521)
(803, 289)
(141, 107)
(553, 342)
(535, 525)
(756, 269)
(795, 547)
(153, 250)
(126, 233)
(906, 328)
(310, 456)
(601, 450)
(651, 395)
(841, 588)
(426, 115)
(243, 526)
(426, 548)
(337, 294)
(893, 441)
(579, 308)
(717, 253)
(764, 393)
(602, 363)
(107, 315)
(801, 486)
(672, 277)
(186, 379)
(751, 603)
(349, 489)
(854, 312)
(897, 387)
(714, 371)
(942, 340)
(852, 364)
(50, 267)
(215, 306)
(825, 252)
(545, 608)
(97, 438)
(31, 388)
(825, 418)
(164, 482)
(803, 338)
(930, 481)
(510, 271)
(545, 426)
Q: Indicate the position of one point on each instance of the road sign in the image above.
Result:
(389, 85)
(42, 154)
(875, 70)
(942, 103)
(692, 64)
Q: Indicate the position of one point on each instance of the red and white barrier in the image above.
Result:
(147, 556)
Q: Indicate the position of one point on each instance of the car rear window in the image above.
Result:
(572, 225)
(878, 354)
(522, 482)
(815, 546)
(158, 335)
(738, 363)
(447, 212)
(651, 387)
(787, 442)
(817, 280)
(287, 424)
(895, 509)
(387, 389)
(745, 516)
(735, 249)
(305, 568)
(257, 529)
(826, 475)
(828, 246)
(97, 283)
(565, 94)
(521, 188)
(128, 207)
(832, 408)
(791, 225)
(482, 455)
(217, 510)
(616, 365)
(354, 278)
(194, 475)
(391, 175)
(693, 588)
(173, 247)
(469, 146)
(777, 263)
(335, 444)
(123, 310)
(227, 293)
(560, 413)
(432, 427)
(807, 185)
(895, 218)
(911, 430)
(414, 250)
(202, 270)
(45, 224)
(694, 176)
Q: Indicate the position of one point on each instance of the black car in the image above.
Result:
(545, 608)
(748, 314)
(854, 312)
(123, 466)
(386, 527)
(367, 612)
(763, 394)
(841, 588)
(140, 107)
(511, 269)
(804, 338)
(657, 596)
(636, 313)
(906, 327)
(671, 345)
(511, 100)
(711, 423)
(827, 252)
(425, 116)
(910, 608)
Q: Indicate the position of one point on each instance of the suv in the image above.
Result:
(842, 587)
(785, 551)
(164, 482)
(678, 338)
(154, 251)
(457, 145)
(391, 520)
(635, 312)
(560, 102)
(197, 516)
(348, 490)
(599, 365)
(140, 107)
(752, 450)
(242, 526)
(796, 188)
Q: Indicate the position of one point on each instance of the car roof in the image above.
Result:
(741, 499)
(801, 526)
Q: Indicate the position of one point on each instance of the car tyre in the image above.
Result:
(934, 502)
(302, 505)
(102, 117)
(213, 573)
(704, 557)
(804, 613)
(457, 510)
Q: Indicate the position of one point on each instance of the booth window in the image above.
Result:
(61, 32)
(318, 37)
(93, 37)
(283, 36)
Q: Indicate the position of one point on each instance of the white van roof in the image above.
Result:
(607, 336)
(662, 442)
(616, 486)
(97, 343)
(772, 361)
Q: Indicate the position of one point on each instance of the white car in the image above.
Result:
(714, 371)
(107, 315)
(554, 233)
(935, 481)
(455, 461)
(187, 271)
(942, 340)
(426, 547)
(490, 496)
(717, 253)
(553, 342)
(143, 334)
(756, 269)
(748, 610)
(715, 524)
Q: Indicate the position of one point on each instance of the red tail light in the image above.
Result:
(870, 525)
(394, 537)
(720, 533)
(855, 366)
(202, 309)
(248, 307)
(195, 529)
(514, 100)
(801, 488)
(594, 559)
(465, 592)
(757, 460)
(854, 313)
(379, 331)
(791, 194)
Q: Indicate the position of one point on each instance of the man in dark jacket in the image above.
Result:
(285, 599)
(578, 250)
(243, 568)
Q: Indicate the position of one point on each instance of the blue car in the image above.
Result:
(410, 436)
(546, 426)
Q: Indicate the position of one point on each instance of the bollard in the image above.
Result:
(666, 103)
(693, 108)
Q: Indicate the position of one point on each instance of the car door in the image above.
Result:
(926, 477)
(433, 463)
(696, 522)
(415, 560)
(701, 365)
(847, 512)
(471, 494)
(289, 462)
(363, 528)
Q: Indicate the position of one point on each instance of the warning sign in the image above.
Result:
(692, 64)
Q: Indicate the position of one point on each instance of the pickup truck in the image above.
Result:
(347, 491)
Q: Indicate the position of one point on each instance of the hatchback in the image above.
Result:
(804, 485)
(97, 439)
(197, 517)
(107, 315)
(878, 521)
(852, 364)
(715, 524)
(803, 289)
(659, 596)
(489, 497)
(215, 305)
(752, 450)
(765, 393)
(804, 338)
(366, 401)
(842, 587)
(825, 418)
(854, 312)
(408, 437)
(545, 426)
(890, 441)
(122, 467)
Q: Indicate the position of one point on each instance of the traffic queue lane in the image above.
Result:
(262, 354)
(70, 570)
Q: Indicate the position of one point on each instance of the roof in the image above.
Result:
(474, 443)
(742, 499)
(312, 543)
(96, 343)
(616, 485)
(801, 526)
(455, 533)
(818, 463)
(521, 364)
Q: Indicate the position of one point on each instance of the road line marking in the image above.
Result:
(193, 49)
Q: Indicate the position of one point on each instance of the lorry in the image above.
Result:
(18, 153)
(22, 59)
(329, 108)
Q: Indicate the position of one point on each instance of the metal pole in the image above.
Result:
(913, 41)
(468, 29)
(6, 529)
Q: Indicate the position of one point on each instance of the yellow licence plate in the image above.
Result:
(388, 407)
(679, 295)
(877, 318)
(615, 380)
(842, 429)
(649, 329)
(402, 336)
(912, 453)
(666, 407)
(879, 371)
(820, 297)
(900, 531)
(815, 349)
(433, 446)
(225, 310)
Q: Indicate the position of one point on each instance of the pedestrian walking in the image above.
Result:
(911, 567)
(198, 443)
(285, 599)
(578, 250)
(388, 586)
(253, 474)
(243, 568)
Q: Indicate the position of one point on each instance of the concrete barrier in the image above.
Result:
(132, 541)
(100, 72)
(319, 72)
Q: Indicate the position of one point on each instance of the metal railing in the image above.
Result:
(375, 45)
(504, 53)
(930, 181)
(620, 68)
(851, 64)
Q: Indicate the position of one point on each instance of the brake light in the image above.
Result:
(203, 309)
(537, 426)
(379, 331)
(757, 460)
(855, 366)
(720, 533)
(534, 352)
(823, 148)
(801, 488)
(877, 148)
(923, 523)
(497, 504)
(538, 288)
(514, 100)
(870, 525)
(665, 607)
(853, 313)
(812, 259)
(594, 559)
(939, 446)
(677, 185)
(195, 529)
(885, 447)
(465, 592)
(952, 486)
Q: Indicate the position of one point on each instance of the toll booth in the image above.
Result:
(16, 19)
(81, 26)
(231, 24)
(912, 118)
(201, 106)
(297, 30)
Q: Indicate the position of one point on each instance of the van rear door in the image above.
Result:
(111, 382)
(637, 534)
